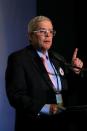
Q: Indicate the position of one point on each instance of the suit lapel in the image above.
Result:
(59, 66)
(38, 64)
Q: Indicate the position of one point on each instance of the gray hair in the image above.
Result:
(32, 25)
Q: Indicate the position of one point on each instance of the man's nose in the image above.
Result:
(47, 33)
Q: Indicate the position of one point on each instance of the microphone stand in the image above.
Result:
(62, 60)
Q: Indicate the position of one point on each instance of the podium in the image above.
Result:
(76, 117)
(76, 108)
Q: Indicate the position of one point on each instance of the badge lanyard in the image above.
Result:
(58, 94)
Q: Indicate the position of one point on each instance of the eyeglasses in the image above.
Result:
(43, 32)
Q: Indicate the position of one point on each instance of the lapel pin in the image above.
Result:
(61, 71)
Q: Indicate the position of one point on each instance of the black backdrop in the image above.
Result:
(69, 18)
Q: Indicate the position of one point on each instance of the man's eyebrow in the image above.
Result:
(45, 29)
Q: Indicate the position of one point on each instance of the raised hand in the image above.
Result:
(77, 62)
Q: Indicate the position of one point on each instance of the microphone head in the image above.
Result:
(58, 57)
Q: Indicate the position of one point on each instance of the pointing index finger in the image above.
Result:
(75, 53)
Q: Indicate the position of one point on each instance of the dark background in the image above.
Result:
(69, 18)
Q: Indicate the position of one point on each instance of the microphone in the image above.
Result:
(63, 61)
(58, 57)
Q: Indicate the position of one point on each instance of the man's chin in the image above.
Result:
(46, 48)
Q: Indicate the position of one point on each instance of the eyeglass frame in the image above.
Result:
(45, 31)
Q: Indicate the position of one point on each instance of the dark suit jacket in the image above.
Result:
(28, 85)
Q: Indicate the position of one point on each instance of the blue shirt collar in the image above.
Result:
(42, 55)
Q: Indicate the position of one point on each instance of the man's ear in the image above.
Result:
(30, 36)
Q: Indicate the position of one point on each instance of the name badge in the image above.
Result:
(59, 99)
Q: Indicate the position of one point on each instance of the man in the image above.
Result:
(36, 83)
